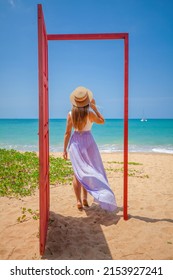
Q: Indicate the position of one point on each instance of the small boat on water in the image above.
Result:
(143, 120)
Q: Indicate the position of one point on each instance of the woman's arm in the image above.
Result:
(67, 135)
(97, 117)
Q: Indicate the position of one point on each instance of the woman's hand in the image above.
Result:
(93, 104)
(65, 155)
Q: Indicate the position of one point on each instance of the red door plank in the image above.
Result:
(43, 129)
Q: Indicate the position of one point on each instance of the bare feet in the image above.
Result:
(85, 202)
(79, 205)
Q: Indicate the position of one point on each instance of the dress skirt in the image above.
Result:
(89, 170)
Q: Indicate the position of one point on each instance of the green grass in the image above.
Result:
(129, 163)
(60, 170)
(131, 172)
(28, 214)
(19, 172)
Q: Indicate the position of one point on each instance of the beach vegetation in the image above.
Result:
(131, 171)
(115, 169)
(129, 163)
(28, 214)
(19, 172)
(60, 170)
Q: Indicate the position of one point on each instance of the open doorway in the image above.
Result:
(43, 39)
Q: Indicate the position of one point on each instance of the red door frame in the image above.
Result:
(43, 129)
(43, 115)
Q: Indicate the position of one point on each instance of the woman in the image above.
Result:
(89, 173)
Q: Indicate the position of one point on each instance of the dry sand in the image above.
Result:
(94, 233)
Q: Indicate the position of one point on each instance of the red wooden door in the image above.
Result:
(43, 129)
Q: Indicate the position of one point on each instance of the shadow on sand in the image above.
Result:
(150, 220)
(75, 238)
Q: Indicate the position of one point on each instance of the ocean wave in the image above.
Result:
(162, 150)
(23, 148)
(136, 149)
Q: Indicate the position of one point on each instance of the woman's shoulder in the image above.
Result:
(69, 116)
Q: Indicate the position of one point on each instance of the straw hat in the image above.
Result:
(81, 97)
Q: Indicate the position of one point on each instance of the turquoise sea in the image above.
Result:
(153, 135)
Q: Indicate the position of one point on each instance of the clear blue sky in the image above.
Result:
(97, 65)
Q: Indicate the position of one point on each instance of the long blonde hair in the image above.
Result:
(79, 116)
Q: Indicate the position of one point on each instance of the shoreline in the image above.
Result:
(102, 151)
(94, 233)
(120, 155)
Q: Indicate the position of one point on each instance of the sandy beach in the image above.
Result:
(94, 233)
